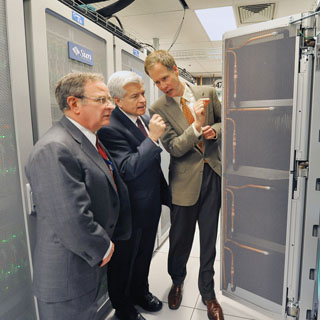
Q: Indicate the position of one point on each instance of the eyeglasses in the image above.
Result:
(100, 100)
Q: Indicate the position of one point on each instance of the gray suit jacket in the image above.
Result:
(78, 211)
(186, 159)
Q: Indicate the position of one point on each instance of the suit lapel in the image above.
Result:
(88, 148)
(128, 124)
(176, 116)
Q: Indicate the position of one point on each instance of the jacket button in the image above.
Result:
(111, 226)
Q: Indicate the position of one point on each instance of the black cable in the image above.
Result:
(120, 24)
(178, 31)
(144, 44)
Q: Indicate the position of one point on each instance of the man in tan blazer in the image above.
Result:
(192, 136)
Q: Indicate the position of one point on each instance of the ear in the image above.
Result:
(117, 101)
(176, 70)
(74, 105)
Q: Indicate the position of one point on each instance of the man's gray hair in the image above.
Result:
(73, 84)
(120, 79)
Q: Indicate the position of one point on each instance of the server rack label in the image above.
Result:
(135, 52)
(77, 18)
(79, 53)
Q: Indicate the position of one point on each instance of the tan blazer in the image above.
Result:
(186, 159)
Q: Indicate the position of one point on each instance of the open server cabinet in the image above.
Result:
(271, 171)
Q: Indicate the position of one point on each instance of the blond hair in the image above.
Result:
(159, 56)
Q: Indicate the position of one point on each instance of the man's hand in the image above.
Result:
(108, 258)
(156, 127)
(208, 133)
(199, 109)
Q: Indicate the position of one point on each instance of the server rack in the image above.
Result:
(270, 208)
(59, 41)
(129, 58)
(16, 297)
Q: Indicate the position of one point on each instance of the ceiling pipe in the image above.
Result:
(108, 11)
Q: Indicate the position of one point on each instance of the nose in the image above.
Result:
(109, 105)
(162, 86)
(142, 98)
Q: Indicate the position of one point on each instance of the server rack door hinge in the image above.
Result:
(303, 169)
(293, 309)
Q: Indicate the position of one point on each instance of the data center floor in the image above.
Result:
(191, 307)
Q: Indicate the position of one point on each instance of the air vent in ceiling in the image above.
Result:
(198, 54)
(256, 13)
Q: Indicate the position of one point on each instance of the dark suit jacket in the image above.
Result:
(186, 159)
(138, 160)
(78, 211)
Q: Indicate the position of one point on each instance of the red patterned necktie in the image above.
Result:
(141, 127)
(104, 156)
(188, 115)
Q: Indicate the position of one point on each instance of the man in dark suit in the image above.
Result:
(133, 143)
(81, 203)
(192, 115)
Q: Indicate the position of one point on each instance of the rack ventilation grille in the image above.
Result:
(256, 13)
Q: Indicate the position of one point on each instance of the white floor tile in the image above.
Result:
(164, 248)
(192, 307)
(183, 313)
(202, 315)
(160, 281)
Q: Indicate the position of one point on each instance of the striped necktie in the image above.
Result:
(141, 127)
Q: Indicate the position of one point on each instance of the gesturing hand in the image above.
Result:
(200, 111)
(156, 127)
(208, 133)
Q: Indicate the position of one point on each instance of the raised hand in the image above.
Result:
(200, 112)
(156, 127)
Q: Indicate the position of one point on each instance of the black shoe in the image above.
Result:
(149, 302)
(126, 315)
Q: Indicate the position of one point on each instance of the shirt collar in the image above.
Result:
(187, 95)
(90, 135)
(130, 116)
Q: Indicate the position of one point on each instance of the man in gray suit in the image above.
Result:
(192, 116)
(81, 203)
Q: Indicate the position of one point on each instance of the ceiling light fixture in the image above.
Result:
(217, 21)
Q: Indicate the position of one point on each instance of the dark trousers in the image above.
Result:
(183, 223)
(128, 269)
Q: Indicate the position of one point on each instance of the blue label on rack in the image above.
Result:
(79, 53)
(77, 17)
(135, 52)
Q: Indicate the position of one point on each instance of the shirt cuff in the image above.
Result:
(108, 251)
(196, 132)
